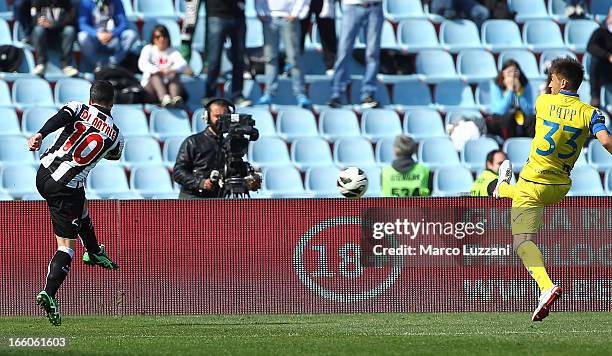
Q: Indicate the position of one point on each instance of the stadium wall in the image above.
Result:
(294, 256)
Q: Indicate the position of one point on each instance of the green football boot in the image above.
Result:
(50, 306)
(101, 259)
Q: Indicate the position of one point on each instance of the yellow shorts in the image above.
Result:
(528, 202)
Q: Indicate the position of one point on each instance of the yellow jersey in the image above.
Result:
(563, 123)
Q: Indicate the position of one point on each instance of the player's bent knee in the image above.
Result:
(518, 239)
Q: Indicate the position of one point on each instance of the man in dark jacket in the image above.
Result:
(600, 48)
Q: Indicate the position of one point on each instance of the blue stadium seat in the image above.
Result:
(129, 10)
(599, 9)
(454, 116)
(457, 35)
(6, 11)
(71, 89)
(475, 152)
(483, 95)
(541, 35)
(453, 94)
(420, 95)
(263, 120)
(46, 144)
(528, 9)
(584, 91)
(414, 41)
(106, 180)
(155, 9)
(355, 151)
(139, 151)
(34, 118)
(374, 181)
(4, 196)
(517, 149)
(379, 123)
(284, 94)
(5, 33)
(388, 39)
(18, 179)
(195, 86)
(556, 10)
(423, 123)
(268, 151)
(312, 60)
(9, 123)
(320, 90)
(254, 33)
(338, 123)
(548, 56)
(170, 150)
(452, 181)
(250, 90)
(384, 151)
(396, 10)
(283, 182)
(585, 182)
(501, 35)
(32, 92)
(131, 121)
(525, 59)
(608, 181)
(14, 149)
(436, 65)
(171, 25)
(310, 152)
(199, 35)
(599, 157)
(320, 182)
(34, 196)
(582, 160)
(606, 97)
(295, 122)
(476, 65)
(5, 95)
(150, 181)
(577, 34)
(382, 93)
(169, 123)
(438, 152)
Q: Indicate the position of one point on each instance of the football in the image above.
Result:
(352, 182)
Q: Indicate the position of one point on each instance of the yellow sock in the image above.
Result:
(534, 262)
(506, 190)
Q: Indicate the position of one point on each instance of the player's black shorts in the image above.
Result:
(65, 204)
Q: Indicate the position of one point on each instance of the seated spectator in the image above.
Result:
(161, 68)
(104, 35)
(53, 22)
(469, 9)
(600, 48)
(485, 184)
(324, 12)
(405, 177)
(512, 103)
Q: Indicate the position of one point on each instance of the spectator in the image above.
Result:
(324, 12)
(225, 19)
(161, 68)
(53, 19)
(280, 18)
(470, 9)
(21, 12)
(104, 35)
(485, 184)
(405, 177)
(356, 15)
(574, 9)
(600, 69)
(512, 103)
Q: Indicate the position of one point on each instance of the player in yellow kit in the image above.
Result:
(563, 123)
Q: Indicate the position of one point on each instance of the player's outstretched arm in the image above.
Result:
(35, 141)
(606, 140)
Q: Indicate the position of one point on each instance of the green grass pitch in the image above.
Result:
(356, 334)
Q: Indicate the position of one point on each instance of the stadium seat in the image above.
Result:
(517, 149)
(454, 116)
(387, 38)
(584, 91)
(355, 151)
(453, 94)
(4, 196)
(283, 182)
(170, 150)
(150, 181)
(474, 153)
(556, 10)
(14, 149)
(34, 118)
(501, 35)
(195, 62)
(5, 33)
(196, 87)
(599, 9)
(320, 182)
(382, 93)
(585, 182)
(437, 152)
(268, 151)
(483, 95)
(384, 151)
(71, 89)
(423, 123)
(608, 181)
(396, 10)
(599, 157)
(155, 9)
(414, 41)
(131, 121)
(171, 25)
(452, 181)
(457, 35)
(320, 90)
(29, 92)
(295, 122)
(338, 123)
(5, 95)
(140, 151)
(250, 90)
(548, 56)
(582, 160)
(254, 33)
(525, 59)
(34, 196)
(169, 123)
(46, 144)
(436, 65)
(541, 35)
(9, 123)
(577, 34)
(310, 152)
(284, 94)
(106, 180)
(374, 181)
(379, 123)
(606, 96)
(18, 179)
(476, 65)
(420, 95)
(528, 9)
(263, 120)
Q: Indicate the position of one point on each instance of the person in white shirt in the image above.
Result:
(161, 67)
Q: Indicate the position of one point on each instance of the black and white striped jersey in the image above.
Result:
(86, 136)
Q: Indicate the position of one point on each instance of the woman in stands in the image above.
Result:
(512, 103)
(161, 66)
